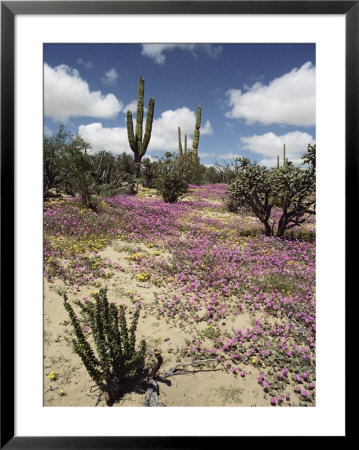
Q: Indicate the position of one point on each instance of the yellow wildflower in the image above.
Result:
(53, 375)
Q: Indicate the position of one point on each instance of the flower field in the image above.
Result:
(210, 285)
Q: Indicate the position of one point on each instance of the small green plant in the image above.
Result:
(116, 359)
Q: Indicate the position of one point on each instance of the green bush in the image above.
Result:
(116, 358)
(172, 178)
(149, 172)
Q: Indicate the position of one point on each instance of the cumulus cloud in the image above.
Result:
(157, 51)
(110, 77)
(110, 139)
(269, 145)
(165, 129)
(132, 106)
(164, 134)
(67, 95)
(289, 99)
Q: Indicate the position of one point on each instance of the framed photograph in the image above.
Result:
(174, 260)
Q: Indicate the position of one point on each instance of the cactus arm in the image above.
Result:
(284, 158)
(185, 143)
(277, 161)
(139, 118)
(131, 136)
(148, 129)
(196, 131)
(180, 151)
(198, 118)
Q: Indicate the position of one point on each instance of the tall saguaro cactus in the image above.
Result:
(139, 142)
(196, 131)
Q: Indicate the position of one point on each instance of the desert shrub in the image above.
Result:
(212, 175)
(291, 189)
(195, 170)
(116, 358)
(172, 178)
(149, 172)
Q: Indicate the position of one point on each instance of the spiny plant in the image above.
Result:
(139, 142)
(285, 159)
(196, 131)
(290, 188)
(195, 136)
(116, 358)
(180, 150)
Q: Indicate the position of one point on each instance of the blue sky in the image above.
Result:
(254, 97)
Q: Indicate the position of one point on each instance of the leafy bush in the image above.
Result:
(117, 358)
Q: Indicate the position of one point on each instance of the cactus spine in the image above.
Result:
(196, 131)
(137, 141)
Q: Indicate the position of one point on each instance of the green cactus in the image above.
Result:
(284, 158)
(180, 151)
(116, 358)
(185, 144)
(137, 141)
(196, 131)
(277, 161)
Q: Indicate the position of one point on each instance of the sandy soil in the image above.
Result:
(198, 387)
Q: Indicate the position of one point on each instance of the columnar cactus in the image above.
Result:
(284, 158)
(185, 143)
(196, 131)
(137, 141)
(180, 151)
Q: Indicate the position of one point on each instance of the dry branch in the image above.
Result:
(152, 386)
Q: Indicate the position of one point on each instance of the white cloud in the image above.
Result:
(270, 145)
(67, 95)
(132, 106)
(110, 77)
(289, 99)
(157, 51)
(164, 136)
(86, 64)
(165, 129)
(110, 139)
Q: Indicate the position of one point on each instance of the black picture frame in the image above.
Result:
(9, 9)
